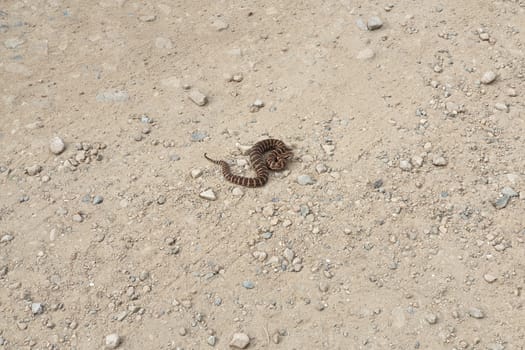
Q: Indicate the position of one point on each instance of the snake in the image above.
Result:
(265, 155)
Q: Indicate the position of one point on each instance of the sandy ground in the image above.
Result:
(398, 225)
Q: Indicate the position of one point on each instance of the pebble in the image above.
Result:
(476, 313)
(267, 235)
(163, 43)
(495, 346)
(489, 278)
(488, 77)
(198, 97)
(361, 24)
(248, 284)
(501, 107)
(417, 161)
(501, 202)
(508, 191)
(33, 170)
(195, 173)
(147, 18)
(78, 218)
(324, 286)
(239, 341)
(484, 36)
(208, 194)
(112, 96)
(113, 341)
(174, 157)
(439, 161)
(289, 254)
(305, 180)
(321, 168)
(220, 25)
(212, 340)
(182, 331)
(161, 199)
(374, 23)
(13, 43)
(98, 199)
(237, 192)
(365, 54)
(37, 308)
(431, 318)
(56, 145)
(405, 165)
(512, 92)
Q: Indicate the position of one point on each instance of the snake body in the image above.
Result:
(265, 155)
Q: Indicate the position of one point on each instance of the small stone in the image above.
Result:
(305, 180)
(13, 43)
(321, 168)
(484, 36)
(147, 18)
(501, 107)
(161, 199)
(512, 92)
(182, 331)
(56, 145)
(405, 165)
(489, 278)
(6, 238)
(98, 200)
(431, 318)
(438, 68)
(78, 218)
(258, 103)
(238, 77)
(212, 340)
(248, 284)
(198, 97)
(323, 286)
(476, 313)
(220, 25)
(37, 308)
(33, 170)
(488, 77)
(276, 338)
(113, 341)
(174, 157)
(495, 346)
(508, 191)
(365, 54)
(208, 194)
(417, 161)
(195, 173)
(439, 161)
(289, 254)
(328, 148)
(501, 202)
(237, 192)
(239, 341)
(374, 23)
(267, 235)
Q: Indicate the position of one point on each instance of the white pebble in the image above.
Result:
(501, 107)
(374, 23)
(208, 194)
(56, 145)
(239, 341)
(365, 54)
(488, 77)
(113, 341)
(198, 97)
(305, 180)
(405, 165)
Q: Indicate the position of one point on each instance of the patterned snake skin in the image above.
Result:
(275, 159)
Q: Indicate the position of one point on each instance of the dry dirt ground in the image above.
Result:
(398, 225)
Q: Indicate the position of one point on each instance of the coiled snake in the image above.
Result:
(275, 159)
